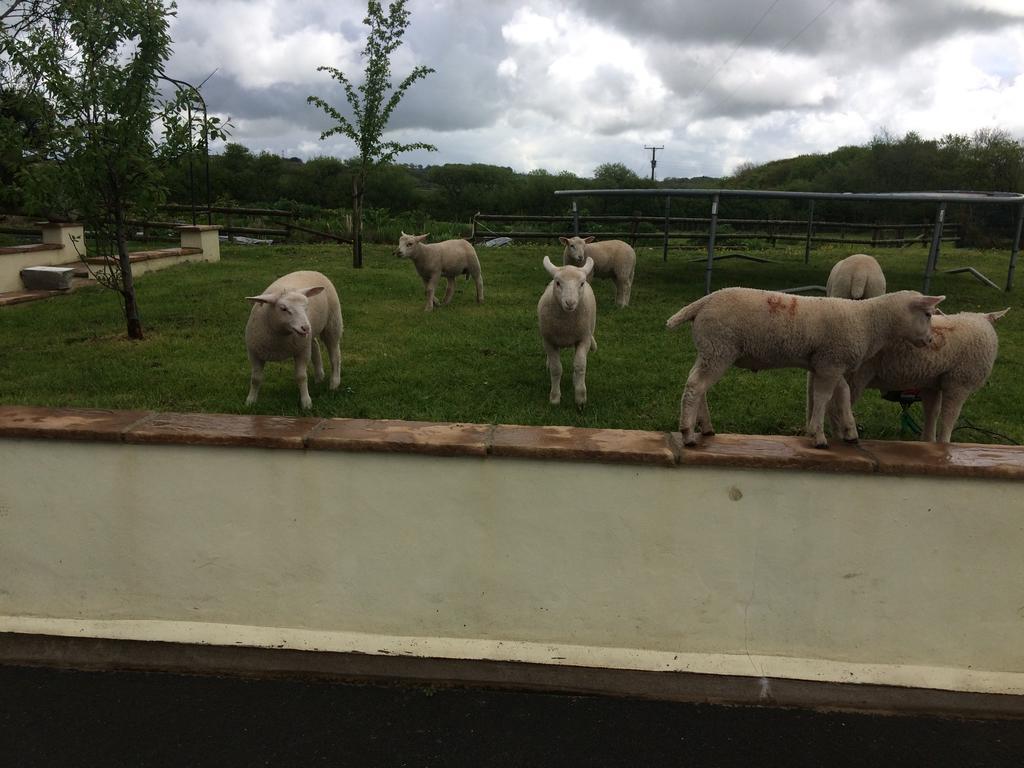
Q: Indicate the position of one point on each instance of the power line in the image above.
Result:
(738, 46)
(788, 43)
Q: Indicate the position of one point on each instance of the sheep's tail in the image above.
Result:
(593, 344)
(858, 282)
(686, 314)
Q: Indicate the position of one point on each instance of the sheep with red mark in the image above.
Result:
(830, 337)
(956, 363)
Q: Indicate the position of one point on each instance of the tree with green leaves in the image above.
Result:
(96, 65)
(372, 104)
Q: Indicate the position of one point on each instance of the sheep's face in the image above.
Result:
(406, 244)
(575, 250)
(569, 283)
(287, 313)
(919, 325)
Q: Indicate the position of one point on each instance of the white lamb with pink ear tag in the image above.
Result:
(284, 323)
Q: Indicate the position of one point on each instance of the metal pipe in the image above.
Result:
(933, 253)
(933, 197)
(664, 251)
(810, 230)
(575, 218)
(711, 245)
(1016, 248)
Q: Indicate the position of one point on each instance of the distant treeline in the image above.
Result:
(990, 160)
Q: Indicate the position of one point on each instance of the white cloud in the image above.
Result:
(571, 84)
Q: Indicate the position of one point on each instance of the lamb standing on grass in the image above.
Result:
(956, 363)
(449, 258)
(856, 277)
(612, 258)
(284, 323)
(567, 314)
(764, 329)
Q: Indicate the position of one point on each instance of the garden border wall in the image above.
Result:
(753, 569)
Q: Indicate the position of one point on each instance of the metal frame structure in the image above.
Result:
(181, 85)
(940, 199)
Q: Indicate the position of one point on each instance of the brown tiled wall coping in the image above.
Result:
(162, 253)
(571, 443)
(30, 248)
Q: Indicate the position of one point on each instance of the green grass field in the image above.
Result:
(463, 363)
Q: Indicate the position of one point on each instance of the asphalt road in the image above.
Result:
(105, 719)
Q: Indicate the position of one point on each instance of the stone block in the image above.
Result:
(47, 278)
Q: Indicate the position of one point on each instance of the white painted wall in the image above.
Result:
(861, 578)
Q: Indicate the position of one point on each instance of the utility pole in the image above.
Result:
(654, 163)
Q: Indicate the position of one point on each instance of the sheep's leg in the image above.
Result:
(931, 399)
(579, 372)
(704, 417)
(255, 380)
(318, 361)
(555, 370)
(449, 291)
(702, 377)
(430, 284)
(301, 378)
(841, 412)
(478, 278)
(332, 340)
(824, 385)
(809, 400)
(952, 402)
(623, 286)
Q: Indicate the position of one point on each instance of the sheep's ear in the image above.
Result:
(563, 240)
(993, 316)
(264, 298)
(421, 238)
(588, 267)
(927, 302)
(588, 239)
(313, 291)
(551, 268)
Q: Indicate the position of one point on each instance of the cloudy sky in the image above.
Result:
(571, 84)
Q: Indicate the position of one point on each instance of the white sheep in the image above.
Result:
(956, 363)
(567, 315)
(449, 258)
(765, 329)
(284, 323)
(612, 258)
(856, 277)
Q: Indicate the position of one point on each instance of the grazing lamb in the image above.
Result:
(567, 314)
(449, 258)
(856, 277)
(765, 329)
(956, 363)
(612, 258)
(284, 323)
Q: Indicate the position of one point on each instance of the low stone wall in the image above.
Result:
(758, 558)
(64, 244)
(61, 244)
